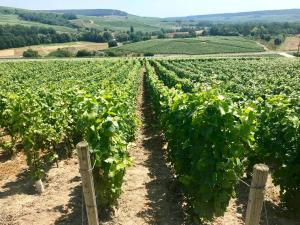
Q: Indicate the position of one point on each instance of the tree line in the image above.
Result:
(13, 36)
(49, 18)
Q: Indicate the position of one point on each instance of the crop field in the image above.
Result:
(52, 106)
(218, 116)
(192, 46)
(45, 49)
(290, 43)
(121, 23)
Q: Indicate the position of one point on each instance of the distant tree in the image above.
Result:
(278, 40)
(30, 54)
(122, 37)
(107, 36)
(84, 53)
(192, 33)
(161, 35)
(131, 29)
(70, 16)
(112, 43)
(148, 54)
(92, 35)
(64, 53)
(266, 37)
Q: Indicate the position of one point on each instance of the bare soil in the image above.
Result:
(290, 44)
(21, 205)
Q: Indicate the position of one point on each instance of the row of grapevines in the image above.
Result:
(170, 78)
(208, 137)
(48, 107)
(272, 85)
(250, 77)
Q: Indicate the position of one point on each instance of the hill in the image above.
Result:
(90, 12)
(87, 18)
(191, 46)
(286, 15)
(121, 21)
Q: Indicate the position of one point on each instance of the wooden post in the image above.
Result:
(87, 183)
(256, 196)
(298, 53)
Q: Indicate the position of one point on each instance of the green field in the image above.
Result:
(122, 23)
(193, 46)
(11, 19)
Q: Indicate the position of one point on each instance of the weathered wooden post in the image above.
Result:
(87, 183)
(257, 192)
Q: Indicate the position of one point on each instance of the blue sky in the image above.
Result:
(161, 8)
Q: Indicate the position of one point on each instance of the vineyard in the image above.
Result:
(49, 107)
(190, 46)
(222, 116)
(219, 118)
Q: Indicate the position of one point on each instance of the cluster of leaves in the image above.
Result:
(278, 144)
(208, 137)
(170, 78)
(73, 101)
(271, 87)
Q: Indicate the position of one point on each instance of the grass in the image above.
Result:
(11, 19)
(192, 46)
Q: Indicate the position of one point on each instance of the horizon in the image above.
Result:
(147, 8)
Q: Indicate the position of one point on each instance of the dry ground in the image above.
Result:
(290, 44)
(46, 49)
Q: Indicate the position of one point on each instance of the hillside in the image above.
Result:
(121, 21)
(288, 15)
(191, 46)
(90, 12)
(87, 18)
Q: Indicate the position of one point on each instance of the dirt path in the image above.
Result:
(148, 196)
(264, 46)
(284, 54)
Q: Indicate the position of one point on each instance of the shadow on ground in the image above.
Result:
(74, 212)
(22, 185)
(163, 192)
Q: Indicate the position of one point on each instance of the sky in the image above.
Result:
(158, 8)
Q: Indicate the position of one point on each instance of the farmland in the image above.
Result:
(290, 44)
(122, 23)
(240, 112)
(45, 49)
(194, 46)
(62, 108)
(218, 116)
